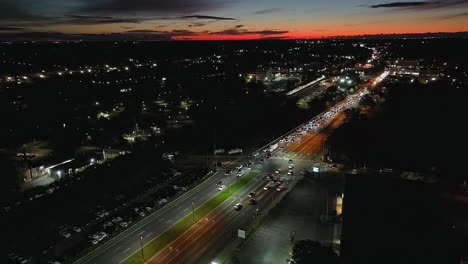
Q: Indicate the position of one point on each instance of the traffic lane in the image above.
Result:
(118, 250)
(157, 227)
(311, 142)
(201, 223)
(220, 234)
(224, 226)
(153, 228)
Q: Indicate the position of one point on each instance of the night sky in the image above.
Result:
(224, 19)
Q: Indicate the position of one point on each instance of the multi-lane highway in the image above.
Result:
(123, 245)
(208, 234)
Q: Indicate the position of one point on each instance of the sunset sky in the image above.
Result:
(224, 19)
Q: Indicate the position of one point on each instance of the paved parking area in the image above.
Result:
(298, 212)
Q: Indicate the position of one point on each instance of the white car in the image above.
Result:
(238, 206)
(123, 224)
(65, 234)
(239, 167)
(117, 219)
(240, 173)
(222, 187)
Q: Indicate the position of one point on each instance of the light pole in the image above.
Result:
(193, 211)
(141, 245)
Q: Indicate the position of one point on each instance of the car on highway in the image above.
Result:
(252, 194)
(269, 185)
(249, 164)
(278, 171)
(262, 161)
(219, 183)
(290, 172)
(221, 187)
(240, 173)
(238, 206)
(280, 188)
(290, 161)
(239, 167)
(228, 172)
(291, 166)
(354, 171)
(252, 202)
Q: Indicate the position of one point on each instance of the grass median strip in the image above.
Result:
(185, 223)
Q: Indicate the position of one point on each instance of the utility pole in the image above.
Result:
(141, 244)
(193, 211)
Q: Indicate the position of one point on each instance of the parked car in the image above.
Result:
(222, 187)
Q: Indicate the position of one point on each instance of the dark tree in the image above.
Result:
(351, 114)
(308, 251)
(366, 100)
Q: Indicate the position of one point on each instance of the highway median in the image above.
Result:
(185, 223)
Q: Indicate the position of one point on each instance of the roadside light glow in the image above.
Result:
(349, 81)
(92, 160)
(89, 70)
(342, 80)
(25, 77)
(59, 73)
(41, 76)
(126, 68)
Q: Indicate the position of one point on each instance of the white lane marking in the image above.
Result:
(126, 250)
(149, 234)
(141, 233)
(185, 209)
(168, 221)
(117, 248)
(179, 207)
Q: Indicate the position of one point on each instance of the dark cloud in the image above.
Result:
(422, 5)
(91, 20)
(401, 4)
(267, 11)
(15, 10)
(11, 28)
(236, 31)
(148, 6)
(197, 24)
(57, 36)
(207, 17)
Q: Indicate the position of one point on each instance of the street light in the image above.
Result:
(141, 244)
